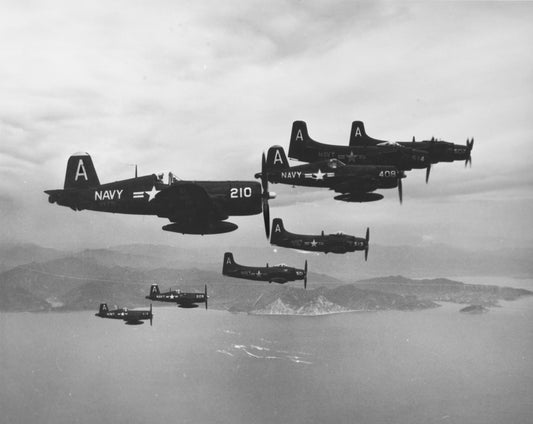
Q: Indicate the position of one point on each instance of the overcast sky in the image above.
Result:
(203, 88)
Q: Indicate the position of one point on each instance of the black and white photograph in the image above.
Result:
(266, 212)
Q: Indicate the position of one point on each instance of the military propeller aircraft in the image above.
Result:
(305, 149)
(193, 207)
(334, 243)
(130, 316)
(355, 182)
(273, 274)
(437, 150)
(181, 299)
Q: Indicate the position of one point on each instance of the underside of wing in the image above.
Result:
(279, 280)
(362, 184)
(191, 210)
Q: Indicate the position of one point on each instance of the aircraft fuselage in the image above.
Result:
(273, 274)
(131, 316)
(180, 298)
(137, 196)
(334, 243)
(341, 178)
(402, 157)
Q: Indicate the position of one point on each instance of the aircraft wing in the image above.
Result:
(188, 203)
(354, 184)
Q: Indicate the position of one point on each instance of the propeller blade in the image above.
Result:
(305, 275)
(428, 170)
(469, 146)
(266, 216)
(367, 240)
(151, 315)
(264, 176)
(205, 293)
(265, 196)
(400, 191)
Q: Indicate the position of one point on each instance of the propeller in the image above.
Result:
(428, 170)
(305, 275)
(469, 145)
(205, 294)
(367, 240)
(151, 315)
(265, 196)
(400, 191)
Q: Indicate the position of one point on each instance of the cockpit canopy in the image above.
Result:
(167, 178)
(335, 163)
(389, 143)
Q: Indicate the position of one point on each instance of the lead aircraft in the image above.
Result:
(181, 299)
(437, 150)
(356, 183)
(280, 274)
(130, 316)
(193, 207)
(334, 243)
(305, 149)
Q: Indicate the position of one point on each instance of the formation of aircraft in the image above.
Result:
(181, 299)
(305, 149)
(354, 171)
(193, 207)
(130, 316)
(437, 150)
(355, 183)
(334, 243)
(280, 274)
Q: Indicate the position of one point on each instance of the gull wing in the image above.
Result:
(191, 209)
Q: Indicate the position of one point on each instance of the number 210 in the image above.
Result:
(238, 192)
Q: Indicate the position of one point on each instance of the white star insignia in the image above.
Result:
(319, 175)
(351, 157)
(258, 273)
(151, 194)
(314, 243)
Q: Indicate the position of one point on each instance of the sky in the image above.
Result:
(203, 88)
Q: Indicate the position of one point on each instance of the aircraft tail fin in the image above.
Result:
(277, 230)
(359, 137)
(276, 159)
(103, 309)
(299, 137)
(154, 290)
(229, 262)
(80, 172)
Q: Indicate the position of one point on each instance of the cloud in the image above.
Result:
(202, 89)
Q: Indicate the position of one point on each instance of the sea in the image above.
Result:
(198, 366)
